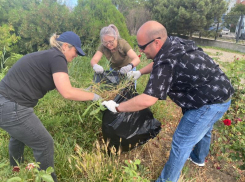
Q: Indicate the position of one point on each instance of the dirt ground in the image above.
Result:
(223, 55)
(154, 154)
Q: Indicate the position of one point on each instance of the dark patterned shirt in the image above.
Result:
(187, 75)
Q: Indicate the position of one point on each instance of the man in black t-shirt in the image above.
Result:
(193, 81)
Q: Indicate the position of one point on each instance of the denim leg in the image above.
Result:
(16, 151)
(201, 149)
(195, 126)
(26, 129)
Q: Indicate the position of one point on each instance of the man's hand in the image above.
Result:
(98, 69)
(134, 74)
(126, 69)
(111, 105)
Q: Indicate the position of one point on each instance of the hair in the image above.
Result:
(58, 44)
(110, 30)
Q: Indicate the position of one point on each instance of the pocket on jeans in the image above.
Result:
(197, 113)
(8, 114)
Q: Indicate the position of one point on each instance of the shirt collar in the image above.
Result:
(163, 49)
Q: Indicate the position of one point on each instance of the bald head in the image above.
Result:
(151, 30)
(150, 37)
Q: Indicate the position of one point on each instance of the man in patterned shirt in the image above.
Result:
(193, 81)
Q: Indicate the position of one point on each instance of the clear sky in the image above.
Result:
(71, 3)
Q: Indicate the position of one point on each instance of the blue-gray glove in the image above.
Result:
(96, 97)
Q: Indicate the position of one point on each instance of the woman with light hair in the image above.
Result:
(117, 50)
(28, 80)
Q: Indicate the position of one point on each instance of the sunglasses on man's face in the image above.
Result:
(142, 47)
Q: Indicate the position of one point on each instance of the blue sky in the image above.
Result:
(70, 2)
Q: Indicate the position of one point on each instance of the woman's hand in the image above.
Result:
(98, 69)
(126, 69)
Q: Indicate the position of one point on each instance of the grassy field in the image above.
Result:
(80, 153)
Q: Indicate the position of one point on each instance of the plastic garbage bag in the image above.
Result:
(128, 129)
(108, 77)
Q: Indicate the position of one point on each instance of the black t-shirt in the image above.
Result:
(187, 75)
(30, 78)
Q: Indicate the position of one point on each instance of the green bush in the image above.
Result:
(232, 139)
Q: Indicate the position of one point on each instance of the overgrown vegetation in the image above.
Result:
(80, 153)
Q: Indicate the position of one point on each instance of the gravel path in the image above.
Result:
(223, 55)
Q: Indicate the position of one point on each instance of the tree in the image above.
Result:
(135, 13)
(135, 19)
(7, 37)
(124, 6)
(39, 22)
(214, 15)
(232, 17)
(186, 16)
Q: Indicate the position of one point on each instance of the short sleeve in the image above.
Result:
(101, 48)
(160, 80)
(58, 64)
(125, 45)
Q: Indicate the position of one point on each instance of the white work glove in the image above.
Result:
(111, 105)
(98, 69)
(134, 74)
(96, 97)
(126, 69)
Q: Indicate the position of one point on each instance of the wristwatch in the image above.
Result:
(131, 65)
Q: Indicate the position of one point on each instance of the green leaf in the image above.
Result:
(3, 165)
(14, 179)
(38, 179)
(96, 111)
(88, 108)
(137, 161)
(49, 170)
(47, 178)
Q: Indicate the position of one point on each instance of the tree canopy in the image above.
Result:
(233, 16)
(186, 16)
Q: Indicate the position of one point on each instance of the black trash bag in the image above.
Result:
(108, 77)
(128, 129)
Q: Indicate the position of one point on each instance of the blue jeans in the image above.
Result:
(25, 128)
(192, 139)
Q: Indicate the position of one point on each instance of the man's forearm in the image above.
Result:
(147, 69)
(137, 103)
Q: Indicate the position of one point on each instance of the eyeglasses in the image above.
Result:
(111, 42)
(142, 47)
